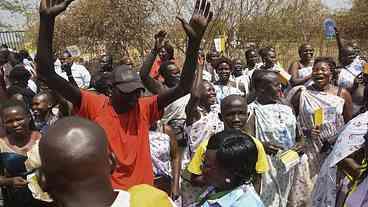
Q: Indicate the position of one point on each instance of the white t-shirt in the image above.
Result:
(80, 74)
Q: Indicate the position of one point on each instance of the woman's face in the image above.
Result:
(224, 71)
(307, 52)
(321, 74)
(208, 94)
(16, 121)
(214, 174)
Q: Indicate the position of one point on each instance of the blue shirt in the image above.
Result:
(240, 197)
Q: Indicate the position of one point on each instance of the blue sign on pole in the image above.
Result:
(329, 26)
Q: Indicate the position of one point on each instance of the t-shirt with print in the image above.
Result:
(127, 135)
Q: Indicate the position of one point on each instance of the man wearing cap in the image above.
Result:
(125, 116)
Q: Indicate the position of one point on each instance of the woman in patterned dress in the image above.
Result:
(301, 71)
(335, 105)
(274, 124)
(15, 150)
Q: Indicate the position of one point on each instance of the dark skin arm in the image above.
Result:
(257, 182)
(195, 30)
(351, 164)
(68, 70)
(348, 106)
(45, 63)
(154, 86)
(191, 110)
(295, 80)
(175, 154)
(197, 180)
(338, 39)
(15, 182)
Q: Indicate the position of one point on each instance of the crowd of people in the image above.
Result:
(215, 132)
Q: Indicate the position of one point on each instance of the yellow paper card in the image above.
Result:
(289, 159)
(365, 70)
(284, 77)
(318, 117)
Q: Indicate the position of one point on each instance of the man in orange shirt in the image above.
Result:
(125, 116)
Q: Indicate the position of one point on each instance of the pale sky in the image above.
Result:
(17, 21)
(338, 4)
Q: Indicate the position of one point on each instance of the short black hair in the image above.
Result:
(12, 103)
(20, 73)
(258, 77)
(223, 60)
(329, 60)
(247, 53)
(225, 101)
(301, 47)
(264, 51)
(235, 152)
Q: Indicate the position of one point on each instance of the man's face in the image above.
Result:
(172, 78)
(40, 107)
(123, 102)
(235, 114)
(270, 59)
(66, 59)
(213, 57)
(272, 86)
(224, 71)
(348, 55)
(252, 58)
(238, 68)
(106, 63)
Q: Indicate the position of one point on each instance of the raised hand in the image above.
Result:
(52, 8)
(201, 17)
(159, 40)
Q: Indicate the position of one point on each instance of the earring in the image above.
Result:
(227, 180)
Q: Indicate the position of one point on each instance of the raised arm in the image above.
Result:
(338, 39)
(45, 64)
(195, 31)
(191, 110)
(151, 84)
